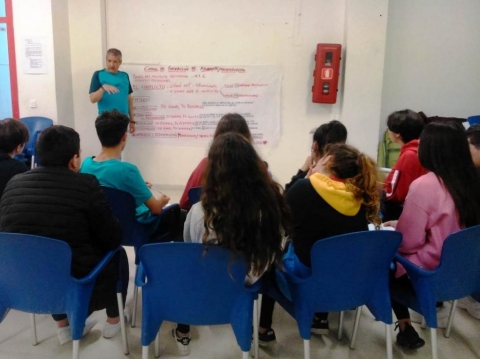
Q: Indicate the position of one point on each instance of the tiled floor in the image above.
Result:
(218, 342)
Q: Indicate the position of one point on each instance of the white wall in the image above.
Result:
(86, 20)
(34, 18)
(278, 32)
(431, 61)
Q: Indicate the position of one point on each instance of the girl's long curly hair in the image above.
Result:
(360, 174)
(243, 207)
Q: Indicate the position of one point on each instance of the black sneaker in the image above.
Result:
(268, 338)
(320, 326)
(409, 338)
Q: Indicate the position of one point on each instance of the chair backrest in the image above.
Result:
(351, 270)
(123, 208)
(35, 124)
(459, 266)
(194, 284)
(194, 194)
(35, 275)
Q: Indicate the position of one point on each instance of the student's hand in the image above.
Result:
(149, 185)
(110, 89)
(164, 199)
(308, 163)
(390, 224)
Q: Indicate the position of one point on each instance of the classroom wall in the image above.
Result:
(277, 32)
(34, 18)
(431, 58)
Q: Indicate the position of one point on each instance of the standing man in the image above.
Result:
(111, 89)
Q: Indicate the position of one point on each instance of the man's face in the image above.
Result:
(475, 154)
(113, 63)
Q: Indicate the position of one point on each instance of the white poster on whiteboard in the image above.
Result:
(183, 104)
(35, 55)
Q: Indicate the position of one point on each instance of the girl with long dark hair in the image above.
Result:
(438, 203)
(241, 209)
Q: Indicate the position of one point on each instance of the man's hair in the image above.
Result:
(329, 133)
(12, 134)
(406, 123)
(57, 145)
(114, 52)
(111, 126)
(473, 135)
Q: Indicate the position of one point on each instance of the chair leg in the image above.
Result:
(34, 329)
(433, 334)
(145, 352)
(340, 325)
(157, 344)
(122, 323)
(75, 349)
(306, 348)
(450, 318)
(355, 327)
(388, 332)
(32, 162)
(255, 328)
(135, 298)
(244, 355)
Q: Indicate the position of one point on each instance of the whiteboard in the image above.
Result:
(182, 104)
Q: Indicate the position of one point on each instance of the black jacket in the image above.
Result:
(315, 219)
(9, 168)
(58, 203)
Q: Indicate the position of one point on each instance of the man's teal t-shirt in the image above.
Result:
(123, 176)
(117, 101)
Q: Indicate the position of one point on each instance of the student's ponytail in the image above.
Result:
(365, 184)
(360, 175)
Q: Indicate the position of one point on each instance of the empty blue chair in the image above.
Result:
(176, 277)
(135, 234)
(348, 271)
(35, 278)
(36, 125)
(456, 277)
(194, 194)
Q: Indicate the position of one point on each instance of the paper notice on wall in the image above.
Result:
(35, 55)
(183, 104)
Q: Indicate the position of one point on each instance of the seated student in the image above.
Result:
(404, 127)
(339, 197)
(231, 122)
(439, 203)
(473, 135)
(237, 184)
(55, 201)
(112, 129)
(332, 132)
(13, 136)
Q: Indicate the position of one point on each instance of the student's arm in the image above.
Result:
(156, 205)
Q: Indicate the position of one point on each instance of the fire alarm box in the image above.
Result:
(326, 73)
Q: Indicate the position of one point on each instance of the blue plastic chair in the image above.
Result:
(135, 234)
(473, 120)
(456, 277)
(348, 271)
(36, 125)
(206, 275)
(194, 194)
(35, 278)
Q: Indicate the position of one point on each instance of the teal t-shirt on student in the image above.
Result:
(123, 176)
(117, 101)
